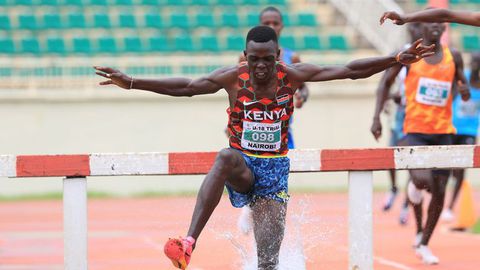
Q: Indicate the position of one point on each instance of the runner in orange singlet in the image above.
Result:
(255, 168)
(428, 121)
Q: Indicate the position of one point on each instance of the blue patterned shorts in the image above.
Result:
(270, 181)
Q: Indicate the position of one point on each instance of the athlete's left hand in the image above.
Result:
(394, 16)
(415, 53)
(463, 90)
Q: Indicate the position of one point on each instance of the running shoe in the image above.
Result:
(179, 251)
(390, 198)
(447, 215)
(426, 255)
(403, 219)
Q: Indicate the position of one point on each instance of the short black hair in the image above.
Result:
(273, 9)
(261, 34)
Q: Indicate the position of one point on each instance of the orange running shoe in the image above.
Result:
(179, 251)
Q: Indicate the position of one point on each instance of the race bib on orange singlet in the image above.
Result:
(261, 136)
(433, 92)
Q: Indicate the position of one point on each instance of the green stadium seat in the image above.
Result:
(132, 44)
(471, 42)
(107, 44)
(76, 20)
(252, 19)
(176, 2)
(48, 2)
(288, 42)
(27, 21)
(74, 2)
(287, 19)
(23, 2)
(227, 2)
(209, 43)
(306, 19)
(7, 45)
(250, 2)
(123, 2)
(183, 43)
(179, 20)
(82, 45)
(3, 3)
(151, 2)
(153, 20)
(30, 45)
(101, 20)
(230, 19)
(337, 42)
(205, 19)
(52, 21)
(422, 2)
(201, 2)
(99, 2)
(235, 43)
(127, 20)
(5, 22)
(311, 42)
(55, 45)
(158, 44)
(5, 71)
(276, 2)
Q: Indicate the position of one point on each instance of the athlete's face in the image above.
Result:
(272, 19)
(432, 32)
(261, 58)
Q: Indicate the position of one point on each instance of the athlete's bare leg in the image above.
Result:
(436, 184)
(458, 175)
(229, 167)
(269, 228)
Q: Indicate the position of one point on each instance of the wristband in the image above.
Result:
(131, 83)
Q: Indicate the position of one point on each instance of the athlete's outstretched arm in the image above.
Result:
(433, 15)
(460, 83)
(362, 68)
(180, 87)
(383, 91)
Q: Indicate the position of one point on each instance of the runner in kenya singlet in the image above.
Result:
(429, 97)
(260, 127)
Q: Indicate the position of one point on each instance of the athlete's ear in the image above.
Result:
(245, 53)
(278, 54)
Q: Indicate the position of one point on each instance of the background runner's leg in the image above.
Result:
(438, 187)
(229, 166)
(269, 228)
(458, 175)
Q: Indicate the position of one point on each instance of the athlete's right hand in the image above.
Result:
(394, 16)
(114, 76)
(376, 128)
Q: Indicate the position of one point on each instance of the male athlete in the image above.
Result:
(428, 121)
(466, 120)
(439, 15)
(255, 168)
(271, 16)
(397, 134)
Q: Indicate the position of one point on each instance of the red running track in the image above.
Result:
(129, 234)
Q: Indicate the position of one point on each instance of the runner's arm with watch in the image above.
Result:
(359, 69)
(179, 87)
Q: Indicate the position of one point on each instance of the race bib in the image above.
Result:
(433, 92)
(261, 136)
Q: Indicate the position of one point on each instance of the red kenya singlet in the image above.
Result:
(260, 127)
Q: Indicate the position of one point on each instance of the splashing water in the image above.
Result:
(292, 253)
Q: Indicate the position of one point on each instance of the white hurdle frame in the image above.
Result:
(360, 163)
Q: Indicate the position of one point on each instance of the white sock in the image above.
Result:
(414, 194)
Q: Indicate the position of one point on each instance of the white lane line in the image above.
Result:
(383, 261)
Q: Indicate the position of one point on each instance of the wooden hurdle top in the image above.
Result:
(302, 160)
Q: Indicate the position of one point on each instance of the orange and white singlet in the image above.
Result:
(259, 127)
(428, 89)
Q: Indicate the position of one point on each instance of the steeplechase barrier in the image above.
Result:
(360, 163)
